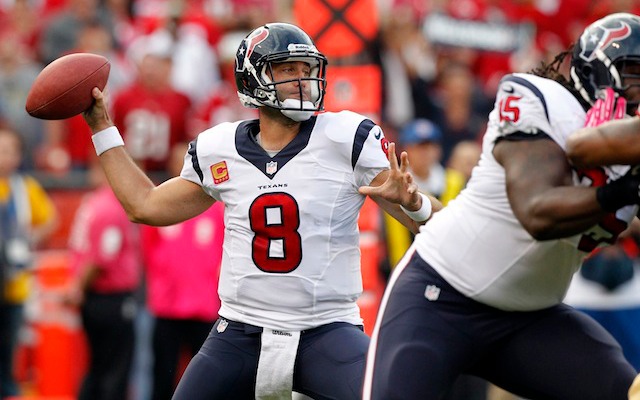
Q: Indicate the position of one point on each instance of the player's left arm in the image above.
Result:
(395, 187)
(541, 192)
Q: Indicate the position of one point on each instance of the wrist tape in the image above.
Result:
(423, 213)
(107, 139)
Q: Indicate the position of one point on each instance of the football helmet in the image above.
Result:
(604, 49)
(275, 43)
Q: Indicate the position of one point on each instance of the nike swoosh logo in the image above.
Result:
(508, 89)
(377, 135)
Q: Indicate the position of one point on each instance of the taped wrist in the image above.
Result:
(617, 194)
(107, 139)
(421, 214)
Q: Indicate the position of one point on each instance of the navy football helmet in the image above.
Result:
(605, 48)
(274, 43)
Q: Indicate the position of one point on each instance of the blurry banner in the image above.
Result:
(355, 88)
(489, 36)
(339, 28)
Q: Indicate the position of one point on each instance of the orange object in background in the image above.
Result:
(356, 88)
(66, 203)
(373, 283)
(56, 354)
(339, 28)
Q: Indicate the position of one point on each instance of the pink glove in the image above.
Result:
(607, 107)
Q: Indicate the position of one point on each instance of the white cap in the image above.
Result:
(160, 44)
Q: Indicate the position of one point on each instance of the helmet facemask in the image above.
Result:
(306, 104)
(630, 76)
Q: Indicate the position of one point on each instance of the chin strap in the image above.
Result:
(302, 112)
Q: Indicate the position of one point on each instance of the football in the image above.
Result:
(63, 88)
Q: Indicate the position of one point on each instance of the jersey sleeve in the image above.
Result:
(370, 155)
(196, 165)
(191, 169)
(521, 110)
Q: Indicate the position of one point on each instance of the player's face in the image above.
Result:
(292, 71)
(631, 73)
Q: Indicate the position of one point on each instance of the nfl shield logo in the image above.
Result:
(272, 167)
(222, 326)
(432, 292)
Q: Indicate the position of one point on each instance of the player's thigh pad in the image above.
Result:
(562, 354)
(330, 362)
(423, 344)
(225, 367)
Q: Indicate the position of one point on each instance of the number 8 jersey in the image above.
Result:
(291, 257)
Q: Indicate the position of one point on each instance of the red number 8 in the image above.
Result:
(275, 217)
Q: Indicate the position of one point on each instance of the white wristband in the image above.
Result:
(107, 139)
(423, 213)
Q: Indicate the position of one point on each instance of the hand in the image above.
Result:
(608, 106)
(97, 116)
(72, 297)
(621, 192)
(399, 186)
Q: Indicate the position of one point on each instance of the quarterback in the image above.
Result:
(292, 183)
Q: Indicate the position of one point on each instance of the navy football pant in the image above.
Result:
(421, 346)
(329, 364)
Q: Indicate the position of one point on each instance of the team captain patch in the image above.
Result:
(220, 172)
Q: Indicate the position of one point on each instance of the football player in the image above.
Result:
(481, 289)
(292, 183)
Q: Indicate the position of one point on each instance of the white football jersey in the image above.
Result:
(477, 244)
(291, 257)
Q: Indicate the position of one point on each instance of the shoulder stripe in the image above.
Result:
(532, 87)
(194, 159)
(361, 136)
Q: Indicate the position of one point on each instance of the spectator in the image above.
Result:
(18, 70)
(63, 29)
(195, 65)
(421, 140)
(150, 112)
(106, 273)
(68, 143)
(408, 65)
(23, 21)
(464, 157)
(182, 267)
(27, 217)
(222, 103)
(463, 107)
(245, 14)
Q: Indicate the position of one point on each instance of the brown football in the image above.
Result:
(63, 88)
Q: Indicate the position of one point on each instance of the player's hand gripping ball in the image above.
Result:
(63, 88)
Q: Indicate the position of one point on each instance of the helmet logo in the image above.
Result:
(257, 37)
(599, 38)
(244, 52)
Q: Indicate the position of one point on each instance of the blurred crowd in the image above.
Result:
(440, 60)
(172, 77)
